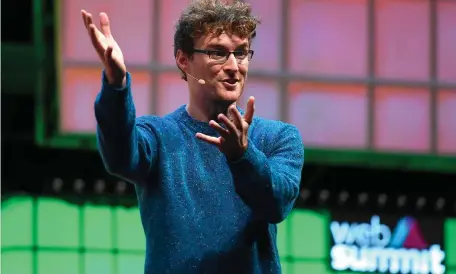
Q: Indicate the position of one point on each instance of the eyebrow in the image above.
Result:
(219, 46)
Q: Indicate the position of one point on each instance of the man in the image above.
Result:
(212, 181)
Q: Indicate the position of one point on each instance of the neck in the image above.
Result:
(206, 110)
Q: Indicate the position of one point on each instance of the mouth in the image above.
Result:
(231, 81)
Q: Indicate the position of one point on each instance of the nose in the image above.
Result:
(231, 64)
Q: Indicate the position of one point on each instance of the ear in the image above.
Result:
(182, 60)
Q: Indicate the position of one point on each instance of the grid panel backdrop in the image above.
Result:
(48, 235)
(354, 74)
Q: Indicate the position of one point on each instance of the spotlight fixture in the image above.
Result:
(401, 200)
(121, 187)
(79, 185)
(362, 198)
(305, 194)
(99, 186)
(421, 202)
(57, 185)
(382, 199)
(440, 204)
(324, 195)
(343, 197)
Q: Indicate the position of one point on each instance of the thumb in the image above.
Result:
(115, 73)
(248, 116)
(108, 56)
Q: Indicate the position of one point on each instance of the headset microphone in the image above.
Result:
(200, 81)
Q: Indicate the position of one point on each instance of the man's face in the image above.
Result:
(225, 77)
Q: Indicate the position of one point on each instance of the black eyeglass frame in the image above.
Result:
(225, 54)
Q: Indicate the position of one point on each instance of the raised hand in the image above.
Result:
(107, 49)
(233, 140)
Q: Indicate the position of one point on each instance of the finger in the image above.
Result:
(228, 123)
(248, 116)
(105, 25)
(236, 115)
(96, 40)
(84, 18)
(209, 139)
(88, 20)
(222, 131)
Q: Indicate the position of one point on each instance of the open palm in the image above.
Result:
(107, 48)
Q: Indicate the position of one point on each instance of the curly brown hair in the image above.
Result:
(204, 17)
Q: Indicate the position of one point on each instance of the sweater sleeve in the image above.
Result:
(127, 145)
(270, 185)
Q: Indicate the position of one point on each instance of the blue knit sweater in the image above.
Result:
(200, 212)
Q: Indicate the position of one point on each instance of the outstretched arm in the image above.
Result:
(127, 145)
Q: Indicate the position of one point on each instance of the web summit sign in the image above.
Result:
(376, 247)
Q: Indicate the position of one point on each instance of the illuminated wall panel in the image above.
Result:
(402, 119)
(447, 122)
(169, 14)
(80, 88)
(58, 224)
(402, 40)
(17, 231)
(310, 267)
(266, 95)
(450, 242)
(314, 235)
(130, 263)
(287, 267)
(329, 115)
(446, 43)
(58, 262)
(282, 239)
(328, 37)
(17, 261)
(97, 227)
(130, 24)
(100, 263)
(172, 93)
(128, 222)
(313, 267)
(268, 43)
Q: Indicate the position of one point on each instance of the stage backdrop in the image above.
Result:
(366, 82)
(52, 236)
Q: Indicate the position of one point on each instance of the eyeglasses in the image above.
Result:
(221, 56)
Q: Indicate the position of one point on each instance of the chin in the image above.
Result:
(229, 94)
